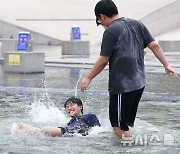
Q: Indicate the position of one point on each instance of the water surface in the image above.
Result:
(28, 98)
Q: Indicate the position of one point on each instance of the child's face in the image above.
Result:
(73, 109)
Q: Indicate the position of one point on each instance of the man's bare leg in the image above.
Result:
(49, 131)
(120, 132)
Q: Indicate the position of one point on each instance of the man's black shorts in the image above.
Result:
(123, 108)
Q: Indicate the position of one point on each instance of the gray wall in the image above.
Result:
(164, 19)
(8, 30)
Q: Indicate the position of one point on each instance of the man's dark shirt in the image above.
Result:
(124, 41)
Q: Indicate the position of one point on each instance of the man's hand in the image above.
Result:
(171, 72)
(84, 83)
(97, 68)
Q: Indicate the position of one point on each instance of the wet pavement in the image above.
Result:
(151, 63)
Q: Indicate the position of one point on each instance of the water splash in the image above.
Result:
(49, 101)
(14, 128)
(43, 99)
(76, 87)
(39, 113)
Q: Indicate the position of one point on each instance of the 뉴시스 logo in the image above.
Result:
(145, 140)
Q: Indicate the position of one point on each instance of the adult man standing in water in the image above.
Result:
(123, 44)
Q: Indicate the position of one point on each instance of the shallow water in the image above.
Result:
(28, 98)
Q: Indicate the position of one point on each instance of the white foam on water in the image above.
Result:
(95, 131)
(14, 129)
(142, 126)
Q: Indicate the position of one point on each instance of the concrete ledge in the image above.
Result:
(170, 46)
(75, 47)
(8, 45)
(24, 62)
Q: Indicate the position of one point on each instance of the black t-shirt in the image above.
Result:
(124, 41)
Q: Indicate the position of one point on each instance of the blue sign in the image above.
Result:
(76, 35)
(23, 41)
